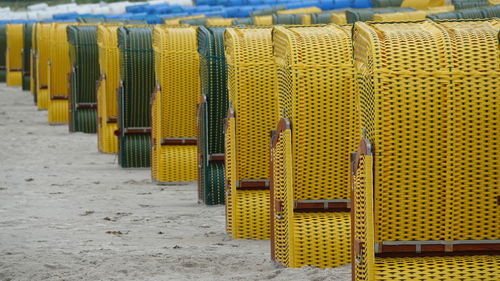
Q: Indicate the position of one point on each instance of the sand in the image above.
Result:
(68, 212)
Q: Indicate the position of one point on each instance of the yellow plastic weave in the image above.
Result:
(43, 53)
(251, 88)
(324, 130)
(494, 2)
(416, 4)
(176, 68)
(219, 21)
(13, 59)
(430, 112)
(59, 67)
(262, 20)
(34, 51)
(339, 18)
(413, 15)
(305, 10)
(177, 21)
(109, 63)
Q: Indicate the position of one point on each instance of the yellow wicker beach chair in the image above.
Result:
(425, 178)
(311, 146)
(57, 75)
(305, 10)
(177, 21)
(174, 104)
(262, 20)
(109, 80)
(253, 112)
(42, 61)
(13, 59)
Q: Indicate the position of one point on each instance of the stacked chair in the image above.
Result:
(252, 114)
(84, 73)
(135, 89)
(310, 149)
(41, 62)
(354, 15)
(176, 21)
(212, 109)
(26, 67)
(59, 68)
(412, 15)
(14, 57)
(109, 80)
(425, 182)
(174, 104)
(3, 49)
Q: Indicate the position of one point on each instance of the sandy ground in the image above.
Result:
(68, 212)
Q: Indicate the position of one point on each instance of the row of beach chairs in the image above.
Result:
(372, 144)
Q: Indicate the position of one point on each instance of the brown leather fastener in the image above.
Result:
(216, 157)
(135, 131)
(180, 141)
(321, 206)
(86, 105)
(112, 120)
(253, 184)
(58, 97)
(43, 87)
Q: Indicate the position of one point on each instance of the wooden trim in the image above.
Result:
(273, 202)
(58, 97)
(253, 184)
(445, 248)
(319, 206)
(137, 130)
(16, 69)
(111, 120)
(216, 157)
(42, 87)
(86, 105)
(179, 141)
(283, 124)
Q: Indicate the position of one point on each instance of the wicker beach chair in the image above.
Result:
(83, 75)
(108, 82)
(59, 68)
(212, 110)
(14, 54)
(311, 146)
(253, 112)
(134, 92)
(425, 181)
(174, 104)
(26, 64)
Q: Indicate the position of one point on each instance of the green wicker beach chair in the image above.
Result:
(83, 77)
(26, 56)
(3, 49)
(136, 87)
(211, 113)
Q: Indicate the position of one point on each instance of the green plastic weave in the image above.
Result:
(85, 72)
(354, 15)
(137, 84)
(465, 4)
(211, 113)
(27, 29)
(3, 49)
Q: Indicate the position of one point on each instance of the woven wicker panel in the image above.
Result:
(305, 10)
(3, 49)
(43, 52)
(177, 74)
(176, 21)
(353, 15)
(33, 61)
(211, 113)
(262, 20)
(59, 67)
(363, 224)
(137, 76)
(14, 55)
(320, 112)
(251, 81)
(219, 21)
(27, 30)
(432, 204)
(456, 268)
